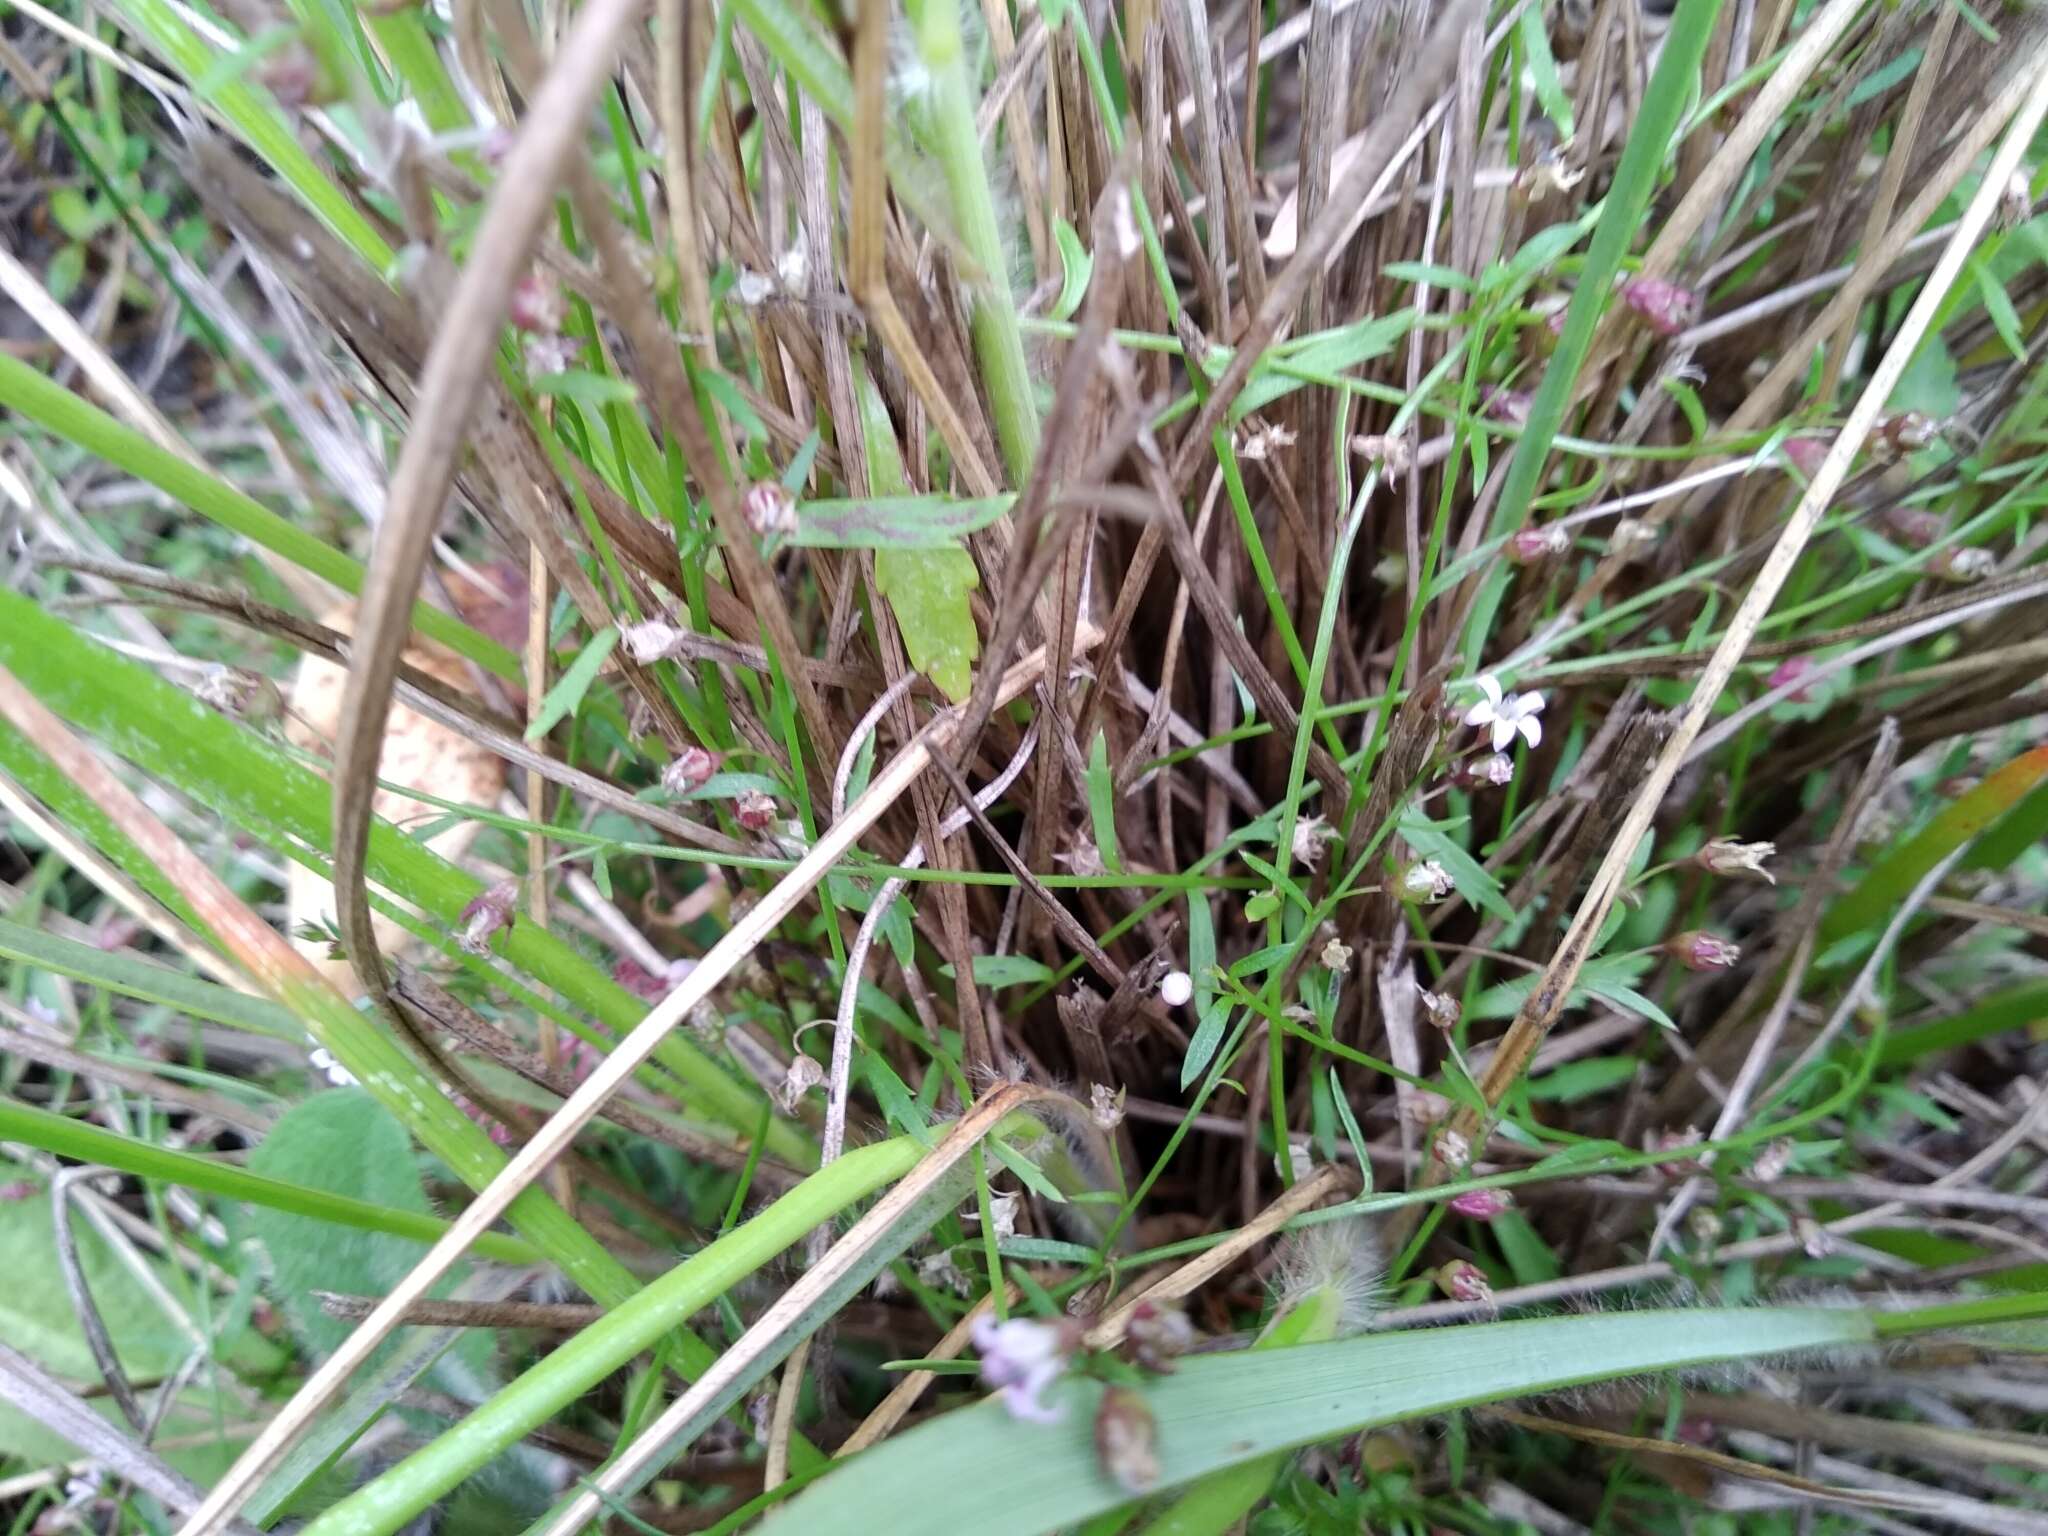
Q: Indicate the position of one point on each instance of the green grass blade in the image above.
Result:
(1221, 1411)
(92, 1144)
(145, 980)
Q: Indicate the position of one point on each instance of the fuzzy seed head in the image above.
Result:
(1698, 950)
(1340, 1258)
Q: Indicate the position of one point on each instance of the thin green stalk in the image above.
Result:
(87, 427)
(91, 1144)
(997, 341)
(1621, 216)
(637, 1324)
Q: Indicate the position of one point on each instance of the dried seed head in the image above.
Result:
(1158, 1333)
(1336, 957)
(1462, 1280)
(1482, 1204)
(1663, 306)
(1533, 546)
(690, 769)
(1263, 442)
(1901, 434)
(537, 305)
(1772, 1159)
(1441, 1010)
(491, 909)
(653, 640)
(1452, 1150)
(1427, 881)
(1698, 950)
(1106, 1109)
(1964, 564)
(1126, 1440)
(769, 508)
(1724, 856)
(1630, 537)
(1312, 834)
(803, 1075)
(1393, 451)
(755, 811)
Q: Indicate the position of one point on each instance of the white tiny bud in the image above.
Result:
(1176, 989)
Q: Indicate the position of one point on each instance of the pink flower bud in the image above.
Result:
(1532, 546)
(1792, 670)
(1698, 950)
(1510, 405)
(1493, 771)
(688, 770)
(537, 303)
(755, 811)
(492, 909)
(1482, 1204)
(769, 508)
(1660, 304)
(1806, 453)
(1916, 526)
(1462, 1280)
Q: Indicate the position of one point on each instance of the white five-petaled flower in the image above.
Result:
(1506, 716)
(1021, 1358)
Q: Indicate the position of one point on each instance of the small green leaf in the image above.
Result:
(1429, 272)
(1202, 1047)
(2004, 318)
(586, 388)
(1076, 265)
(1542, 72)
(65, 272)
(79, 216)
(1102, 803)
(894, 522)
(570, 687)
(927, 591)
(1005, 970)
(1262, 905)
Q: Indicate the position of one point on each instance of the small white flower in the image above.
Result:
(1311, 836)
(1507, 717)
(324, 1063)
(1336, 956)
(1104, 1107)
(1002, 1212)
(1427, 881)
(1021, 1358)
(1176, 988)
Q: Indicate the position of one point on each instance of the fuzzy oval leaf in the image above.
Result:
(1223, 1410)
(927, 590)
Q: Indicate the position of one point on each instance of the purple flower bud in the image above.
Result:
(1127, 1440)
(1698, 950)
(493, 908)
(1462, 1280)
(1482, 1204)
(1660, 304)
(537, 303)
(690, 769)
(1791, 670)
